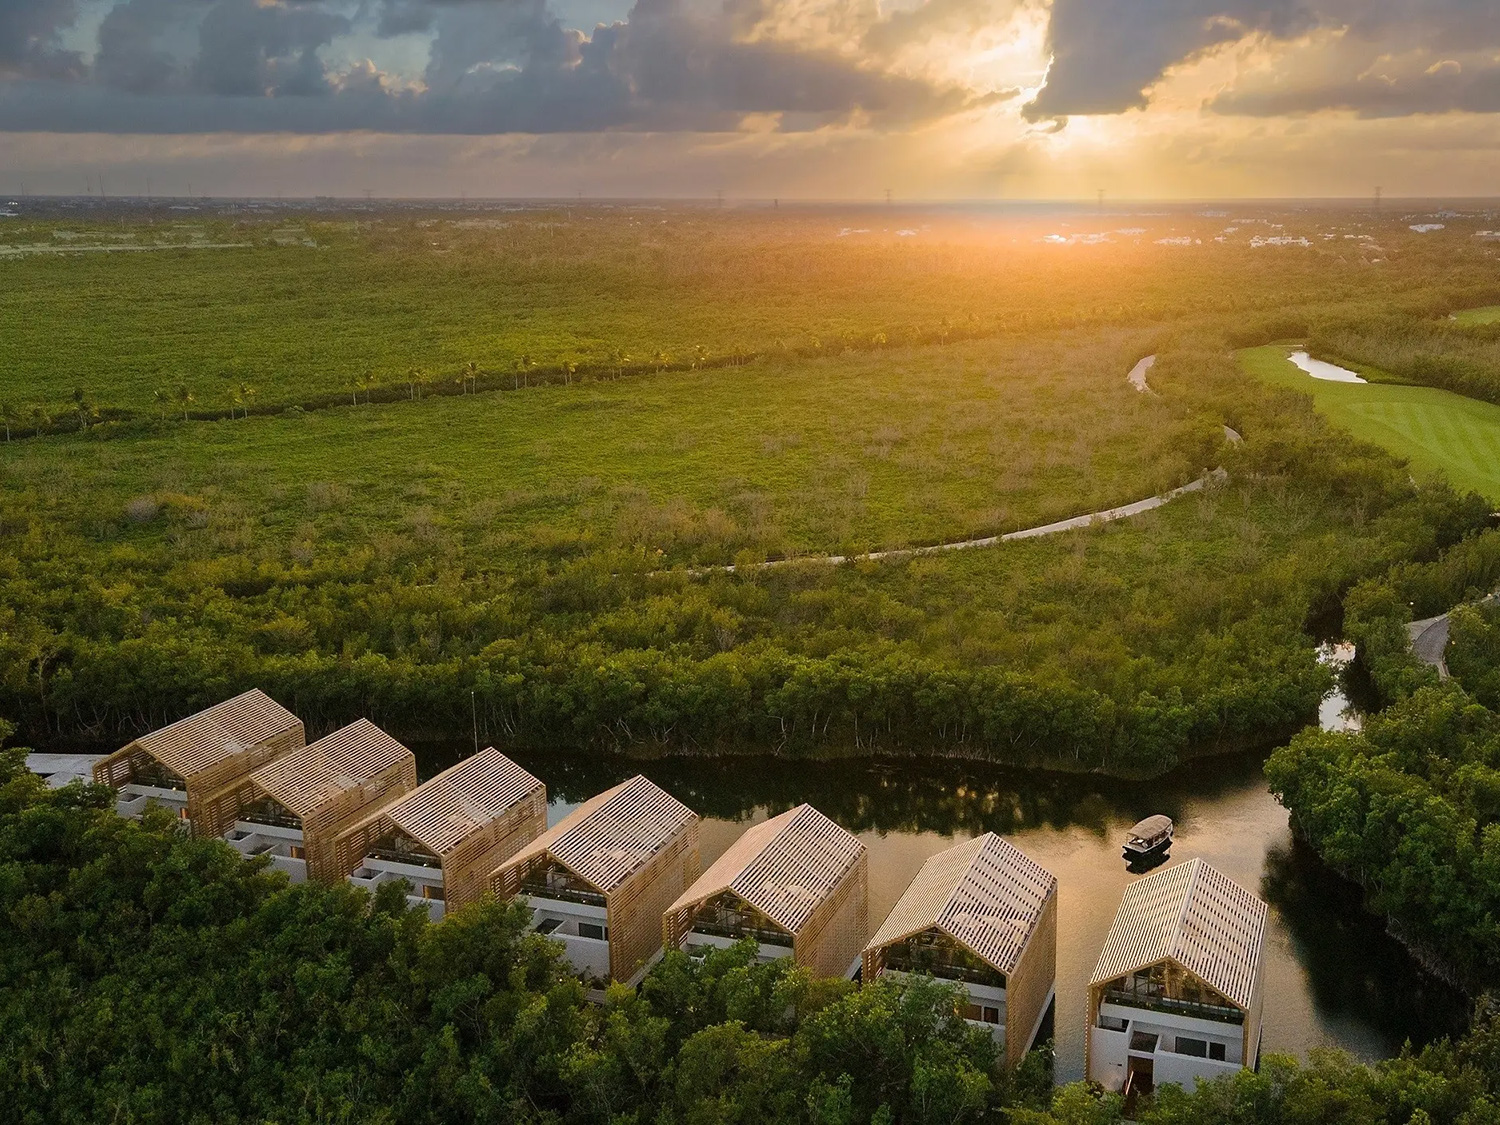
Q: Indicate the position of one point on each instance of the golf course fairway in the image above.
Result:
(1436, 431)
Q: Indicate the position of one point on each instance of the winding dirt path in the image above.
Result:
(1429, 638)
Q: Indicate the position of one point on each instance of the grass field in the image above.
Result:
(1487, 315)
(1435, 430)
(847, 453)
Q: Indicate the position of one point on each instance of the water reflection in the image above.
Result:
(1316, 993)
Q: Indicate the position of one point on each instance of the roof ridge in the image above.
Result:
(1196, 868)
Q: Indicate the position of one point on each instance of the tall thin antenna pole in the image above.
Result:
(1377, 198)
(474, 711)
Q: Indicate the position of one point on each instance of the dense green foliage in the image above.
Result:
(1410, 808)
(389, 561)
(1474, 651)
(1459, 356)
(146, 977)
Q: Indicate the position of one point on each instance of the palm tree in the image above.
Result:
(247, 393)
(40, 419)
(366, 382)
(81, 407)
(351, 384)
(700, 355)
(236, 400)
(471, 377)
(522, 365)
(422, 378)
(621, 359)
(7, 416)
(186, 397)
(661, 359)
(412, 376)
(161, 396)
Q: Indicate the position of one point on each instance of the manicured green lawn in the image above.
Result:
(1488, 315)
(1435, 430)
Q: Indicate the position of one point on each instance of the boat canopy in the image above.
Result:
(1151, 827)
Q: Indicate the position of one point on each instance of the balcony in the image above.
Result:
(1159, 1003)
(282, 845)
(426, 884)
(907, 959)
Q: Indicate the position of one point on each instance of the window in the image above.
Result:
(991, 1015)
(1197, 1048)
(589, 929)
(1216, 1051)
(297, 852)
(429, 891)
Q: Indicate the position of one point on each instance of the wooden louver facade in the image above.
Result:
(205, 752)
(998, 907)
(635, 846)
(797, 874)
(1187, 945)
(324, 787)
(467, 819)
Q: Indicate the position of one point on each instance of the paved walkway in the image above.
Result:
(1138, 375)
(1217, 476)
(1429, 638)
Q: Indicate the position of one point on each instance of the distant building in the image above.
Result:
(1177, 994)
(599, 879)
(984, 915)
(293, 808)
(447, 834)
(181, 765)
(798, 884)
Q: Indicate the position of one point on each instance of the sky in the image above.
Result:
(792, 99)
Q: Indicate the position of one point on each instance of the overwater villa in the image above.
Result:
(447, 834)
(294, 807)
(1177, 994)
(599, 879)
(798, 884)
(181, 765)
(982, 914)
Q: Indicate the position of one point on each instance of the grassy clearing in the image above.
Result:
(1435, 430)
(852, 453)
(1488, 315)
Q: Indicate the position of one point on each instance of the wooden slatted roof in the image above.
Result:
(986, 894)
(305, 780)
(198, 742)
(442, 811)
(784, 867)
(612, 835)
(1197, 916)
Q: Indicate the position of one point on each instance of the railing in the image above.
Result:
(763, 937)
(562, 893)
(415, 859)
(900, 961)
(1175, 1007)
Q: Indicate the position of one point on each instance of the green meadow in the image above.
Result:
(1435, 430)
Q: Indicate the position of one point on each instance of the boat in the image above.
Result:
(1148, 838)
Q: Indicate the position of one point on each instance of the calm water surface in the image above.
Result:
(1333, 977)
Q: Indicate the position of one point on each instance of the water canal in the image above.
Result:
(1333, 977)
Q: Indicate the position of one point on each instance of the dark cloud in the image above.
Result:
(166, 66)
(1106, 53)
(29, 31)
(1444, 86)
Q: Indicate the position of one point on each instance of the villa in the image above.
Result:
(984, 915)
(294, 807)
(181, 765)
(798, 884)
(1177, 993)
(447, 834)
(599, 879)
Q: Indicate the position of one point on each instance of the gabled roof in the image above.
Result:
(784, 867)
(198, 742)
(305, 780)
(461, 800)
(1197, 916)
(612, 835)
(985, 894)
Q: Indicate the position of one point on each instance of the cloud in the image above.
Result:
(29, 38)
(175, 66)
(1375, 58)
